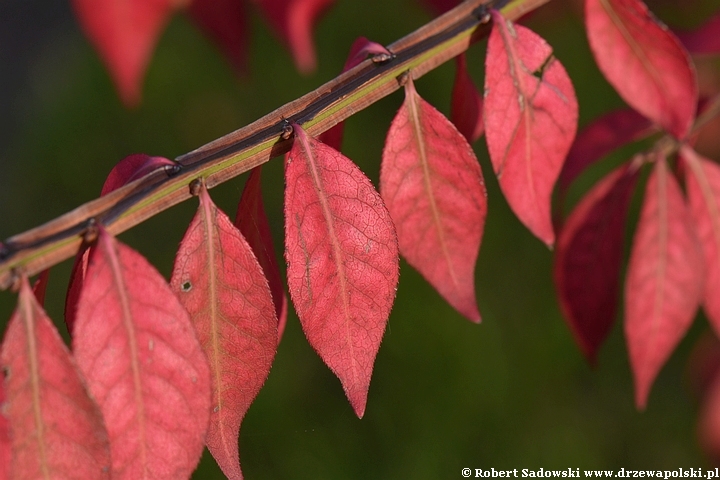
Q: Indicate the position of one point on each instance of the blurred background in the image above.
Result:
(512, 392)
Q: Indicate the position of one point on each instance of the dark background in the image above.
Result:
(513, 392)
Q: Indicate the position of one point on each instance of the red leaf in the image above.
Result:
(56, 429)
(135, 344)
(341, 250)
(599, 138)
(40, 287)
(438, 7)
(705, 39)
(253, 224)
(703, 190)
(709, 422)
(433, 187)
(588, 260)
(530, 117)
(219, 281)
(467, 103)
(127, 170)
(225, 22)
(293, 21)
(5, 445)
(664, 281)
(643, 61)
(125, 33)
(360, 49)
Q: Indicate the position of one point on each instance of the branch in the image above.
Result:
(237, 152)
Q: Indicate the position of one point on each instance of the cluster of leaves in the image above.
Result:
(159, 369)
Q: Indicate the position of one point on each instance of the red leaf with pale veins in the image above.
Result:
(252, 222)
(705, 39)
(127, 170)
(360, 49)
(599, 138)
(703, 191)
(136, 347)
(56, 429)
(219, 281)
(125, 33)
(664, 283)
(433, 187)
(225, 21)
(588, 259)
(467, 103)
(5, 445)
(342, 255)
(530, 121)
(643, 61)
(293, 21)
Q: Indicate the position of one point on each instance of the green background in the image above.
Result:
(513, 392)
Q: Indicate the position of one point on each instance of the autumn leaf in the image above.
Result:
(603, 135)
(664, 283)
(643, 61)
(293, 21)
(530, 115)
(703, 191)
(125, 33)
(56, 430)
(221, 284)
(342, 255)
(130, 168)
(40, 286)
(709, 422)
(253, 223)
(136, 347)
(433, 187)
(5, 444)
(588, 259)
(225, 22)
(467, 105)
(704, 39)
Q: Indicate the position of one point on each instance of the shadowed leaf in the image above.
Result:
(225, 22)
(467, 103)
(704, 39)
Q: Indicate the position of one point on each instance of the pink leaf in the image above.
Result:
(664, 281)
(588, 260)
(342, 255)
(56, 430)
(125, 33)
(530, 117)
(219, 281)
(225, 21)
(359, 51)
(252, 222)
(130, 168)
(643, 61)
(703, 190)
(293, 21)
(467, 104)
(433, 187)
(599, 138)
(705, 39)
(135, 344)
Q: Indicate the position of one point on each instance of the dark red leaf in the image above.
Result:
(125, 33)
(40, 286)
(219, 281)
(293, 21)
(530, 115)
(136, 347)
(127, 170)
(588, 259)
(359, 51)
(252, 222)
(703, 365)
(705, 39)
(664, 281)
(56, 430)
(438, 7)
(709, 422)
(467, 103)
(225, 21)
(643, 61)
(703, 190)
(433, 187)
(342, 255)
(599, 138)
(5, 444)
